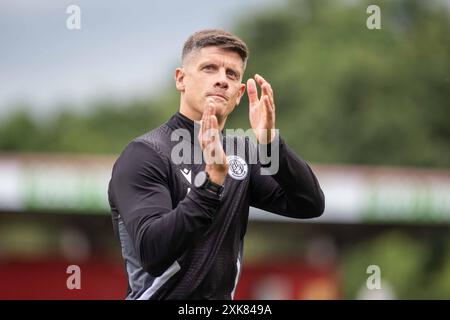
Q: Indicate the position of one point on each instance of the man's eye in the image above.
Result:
(208, 68)
(232, 74)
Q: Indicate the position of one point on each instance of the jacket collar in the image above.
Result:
(180, 121)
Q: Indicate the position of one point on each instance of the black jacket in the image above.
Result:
(181, 242)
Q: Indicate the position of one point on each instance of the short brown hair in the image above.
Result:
(217, 38)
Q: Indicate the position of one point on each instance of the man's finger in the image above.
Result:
(204, 125)
(211, 112)
(214, 122)
(267, 91)
(266, 88)
(268, 108)
(260, 80)
(206, 128)
(202, 129)
(210, 115)
(214, 129)
(252, 92)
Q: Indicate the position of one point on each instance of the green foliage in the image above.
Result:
(348, 94)
(106, 129)
(439, 287)
(413, 268)
(344, 93)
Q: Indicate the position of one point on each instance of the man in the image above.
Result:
(181, 224)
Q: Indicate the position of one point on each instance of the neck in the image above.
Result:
(197, 116)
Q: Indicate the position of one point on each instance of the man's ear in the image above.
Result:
(179, 79)
(241, 93)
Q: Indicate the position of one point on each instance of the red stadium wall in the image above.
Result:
(103, 279)
(47, 279)
(286, 281)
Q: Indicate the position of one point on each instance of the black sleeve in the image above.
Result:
(140, 189)
(293, 191)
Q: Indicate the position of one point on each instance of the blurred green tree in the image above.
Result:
(412, 268)
(344, 93)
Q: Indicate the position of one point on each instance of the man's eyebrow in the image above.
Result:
(207, 63)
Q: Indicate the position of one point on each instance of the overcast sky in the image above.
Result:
(124, 48)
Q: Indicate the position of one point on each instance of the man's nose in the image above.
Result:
(222, 81)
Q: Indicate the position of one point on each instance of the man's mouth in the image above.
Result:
(218, 95)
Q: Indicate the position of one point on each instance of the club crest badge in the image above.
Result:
(237, 167)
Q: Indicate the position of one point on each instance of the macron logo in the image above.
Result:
(187, 174)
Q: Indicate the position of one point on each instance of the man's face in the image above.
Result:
(210, 72)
